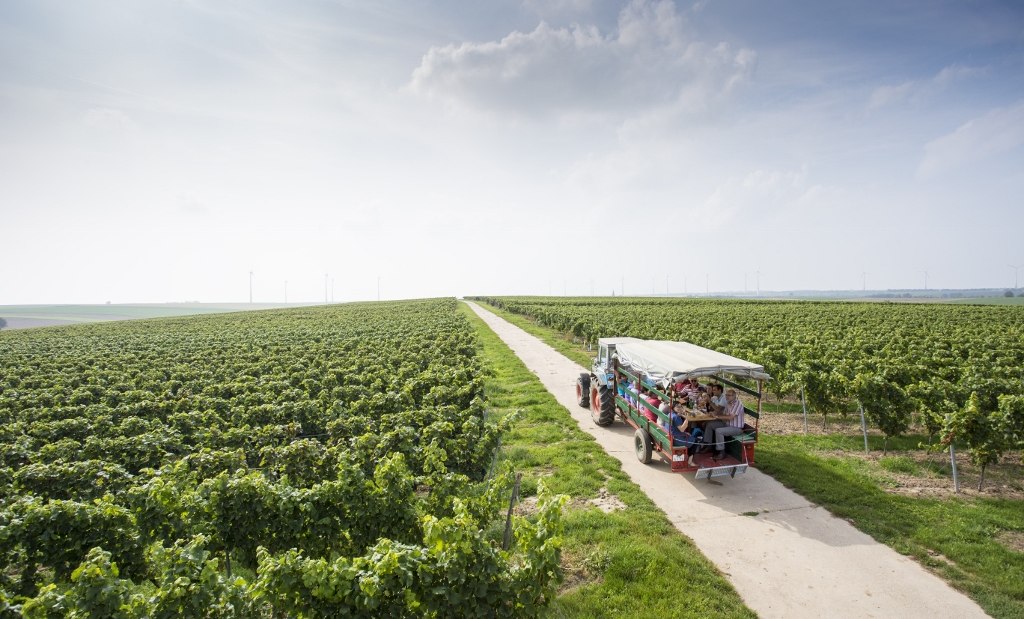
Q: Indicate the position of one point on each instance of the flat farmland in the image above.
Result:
(308, 462)
(30, 316)
(928, 377)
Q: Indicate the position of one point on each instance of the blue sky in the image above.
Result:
(160, 151)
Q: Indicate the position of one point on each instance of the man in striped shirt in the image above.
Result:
(731, 420)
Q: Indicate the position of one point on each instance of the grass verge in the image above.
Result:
(974, 543)
(626, 562)
(961, 539)
(560, 342)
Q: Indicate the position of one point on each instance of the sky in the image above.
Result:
(161, 151)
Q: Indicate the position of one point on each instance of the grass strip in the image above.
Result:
(974, 543)
(630, 562)
(559, 341)
(963, 540)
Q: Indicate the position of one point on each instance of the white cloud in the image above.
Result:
(550, 8)
(999, 131)
(648, 61)
(887, 95)
(956, 72)
(112, 120)
(915, 90)
(761, 191)
(191, 205)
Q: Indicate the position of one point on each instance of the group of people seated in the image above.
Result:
(692, 399)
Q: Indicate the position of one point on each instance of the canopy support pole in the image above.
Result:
(757, 422)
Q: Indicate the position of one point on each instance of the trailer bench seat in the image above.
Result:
(737, 444)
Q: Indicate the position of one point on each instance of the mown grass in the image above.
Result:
(962, 539)
(560, 342)
(626, 563)
(959, 538)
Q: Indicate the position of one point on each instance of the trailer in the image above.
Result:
(625, 364)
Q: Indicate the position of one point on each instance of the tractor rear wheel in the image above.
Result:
(602, 405)
(642, 445)
(583, 390)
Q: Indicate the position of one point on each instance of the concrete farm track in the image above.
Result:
(792, 559)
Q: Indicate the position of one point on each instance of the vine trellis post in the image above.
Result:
(952, 463)
(803, 404)
(863, 426)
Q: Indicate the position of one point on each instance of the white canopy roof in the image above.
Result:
(668, 362)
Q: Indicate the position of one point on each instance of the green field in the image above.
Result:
(297, 462)
(974, 540)
(1018, 300)
(603, 551)
(24, 316)
(929, 356)
(326, 461)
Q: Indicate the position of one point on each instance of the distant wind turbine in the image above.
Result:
(1015, 268)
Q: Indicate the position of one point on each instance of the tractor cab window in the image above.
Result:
(602, 353)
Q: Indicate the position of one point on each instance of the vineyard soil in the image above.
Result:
(793, 558)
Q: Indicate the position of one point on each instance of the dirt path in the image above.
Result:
(791, 559)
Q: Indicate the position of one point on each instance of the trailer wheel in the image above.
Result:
(583, 390)
(602, 405)
(642, 445)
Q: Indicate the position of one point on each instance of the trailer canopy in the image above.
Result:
(668, 362)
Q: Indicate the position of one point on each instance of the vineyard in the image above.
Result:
(956, 371)
(329, 461)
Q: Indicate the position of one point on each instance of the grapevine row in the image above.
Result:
(322, 461)
(957, 369)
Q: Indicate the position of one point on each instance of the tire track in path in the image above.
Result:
(791, 559)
